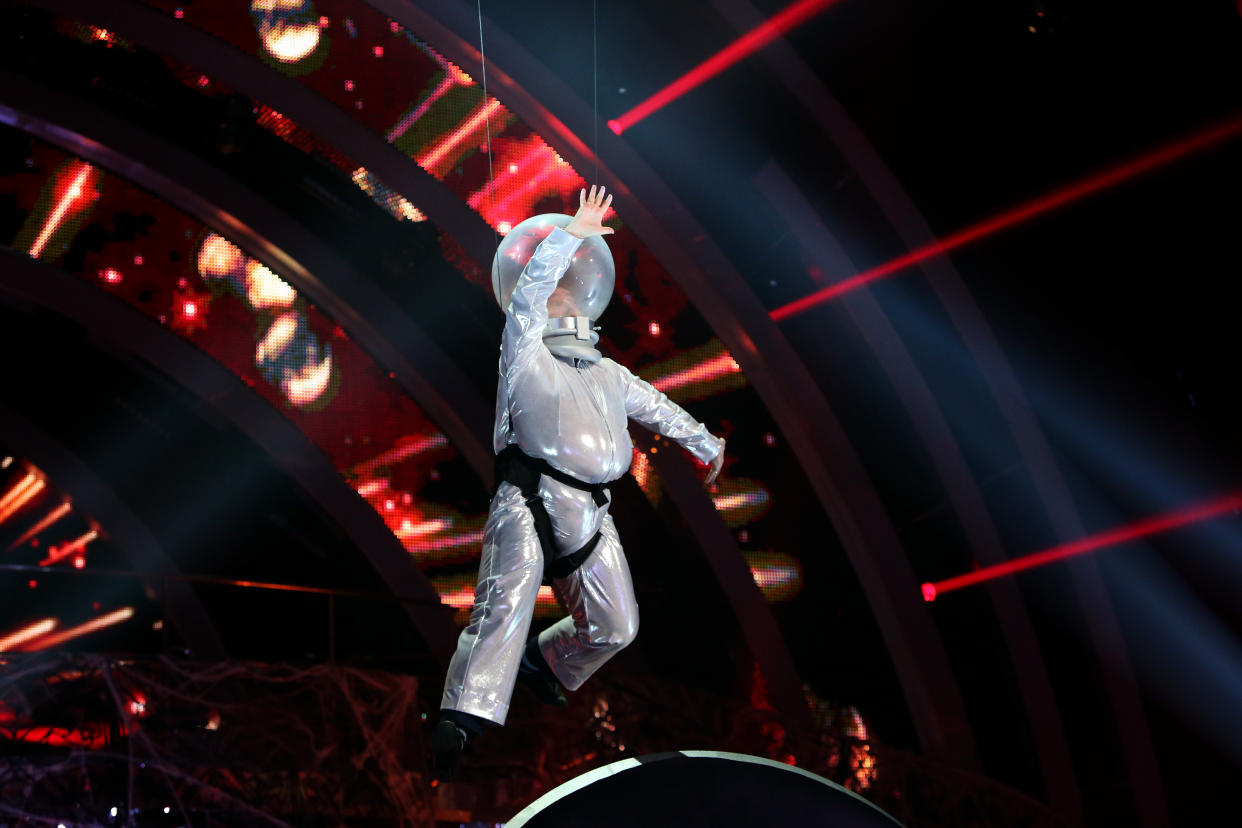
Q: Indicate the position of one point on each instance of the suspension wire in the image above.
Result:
(595, 79)
(488, 118)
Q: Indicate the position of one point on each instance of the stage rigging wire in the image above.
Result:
(595, 87)
(488, 118)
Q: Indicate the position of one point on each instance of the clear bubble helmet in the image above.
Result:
(589, 280)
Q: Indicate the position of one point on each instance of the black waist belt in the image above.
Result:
(515, 466)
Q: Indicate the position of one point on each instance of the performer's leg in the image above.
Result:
(484, 667)
(603, 613)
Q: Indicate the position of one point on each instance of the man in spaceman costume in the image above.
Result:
(560, 436)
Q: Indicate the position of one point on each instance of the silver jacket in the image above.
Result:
(573, 413)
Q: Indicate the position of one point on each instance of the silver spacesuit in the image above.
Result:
(570, 411)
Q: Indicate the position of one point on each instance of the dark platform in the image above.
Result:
(699, 788)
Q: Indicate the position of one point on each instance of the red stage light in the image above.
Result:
(46, 642)
(1036, 207)
(1112, 537)
(71, 548)
(74, 192)
(746, 45)
(528, 174)
(21, 494)
(189, 311)
(26, 633)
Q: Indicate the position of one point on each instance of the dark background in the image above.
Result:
(1117, 312)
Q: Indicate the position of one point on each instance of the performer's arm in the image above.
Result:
(652, 409)
(527, 314)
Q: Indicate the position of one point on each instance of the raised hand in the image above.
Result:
(590, 216)
(716, 465)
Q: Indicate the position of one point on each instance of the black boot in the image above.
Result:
(447, 743)
(448, 740)
(538, 676)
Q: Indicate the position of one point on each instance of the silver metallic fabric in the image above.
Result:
(573, 414)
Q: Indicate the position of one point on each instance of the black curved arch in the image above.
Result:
(98, 498)
(34, 283)
(1052, 491)
(156, 32)
(431, 379)
(724, 557)
(965, 497)
(774, 368)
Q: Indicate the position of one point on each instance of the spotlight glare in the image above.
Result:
(218, 257)
(304, 386)
(264, 289)
(286, 34)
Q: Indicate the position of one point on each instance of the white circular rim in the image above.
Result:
(590, 777)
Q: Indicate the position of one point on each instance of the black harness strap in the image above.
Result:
(515, 466)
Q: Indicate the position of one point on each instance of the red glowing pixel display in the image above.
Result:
(231, 306)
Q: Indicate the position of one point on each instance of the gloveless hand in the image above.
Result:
(716, 465)
(590, 216)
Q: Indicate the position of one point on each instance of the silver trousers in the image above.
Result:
(599, 597)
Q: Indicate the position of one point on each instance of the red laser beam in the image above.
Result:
(1023, 212)
(1111, 537)
(746, 45)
